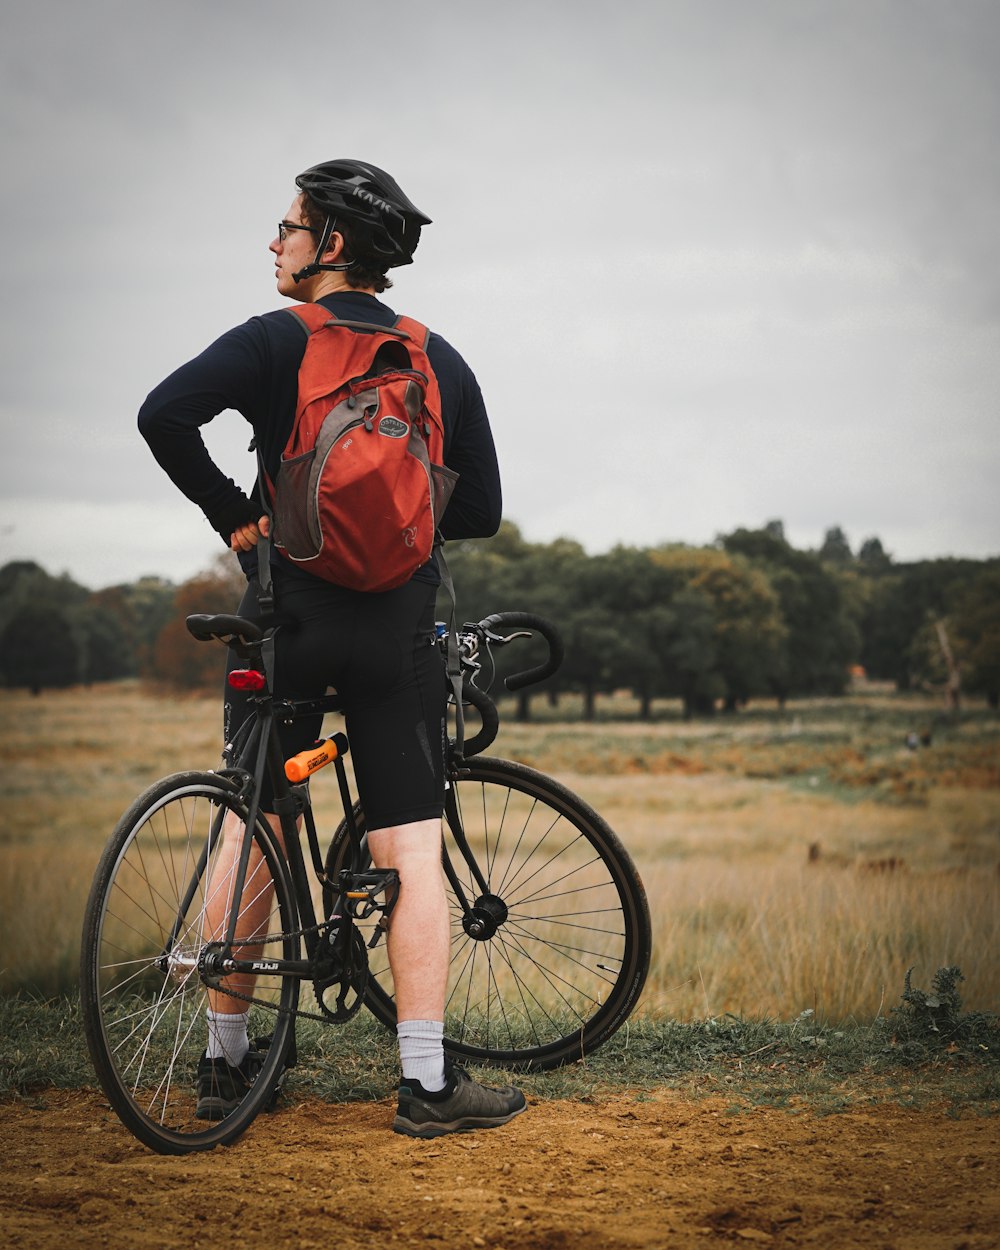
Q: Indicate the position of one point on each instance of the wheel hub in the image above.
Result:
(487, 914)
(179, 964)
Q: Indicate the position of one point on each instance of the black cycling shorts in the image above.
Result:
(378, 652)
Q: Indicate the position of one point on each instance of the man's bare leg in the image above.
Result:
(431, 1102)
(255, 913)
(418, 942)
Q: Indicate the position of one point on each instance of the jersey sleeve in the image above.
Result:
(475, 507)
(230, 374)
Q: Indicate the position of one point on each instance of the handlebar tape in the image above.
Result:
(528, 620)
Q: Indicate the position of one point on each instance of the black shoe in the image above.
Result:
(461, 1106)
(221, 1087)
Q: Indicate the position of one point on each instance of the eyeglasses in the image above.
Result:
(285, 226)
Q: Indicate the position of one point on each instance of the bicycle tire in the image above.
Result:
(565, 968)
(143, 1011)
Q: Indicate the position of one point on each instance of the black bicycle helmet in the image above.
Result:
(363, 193)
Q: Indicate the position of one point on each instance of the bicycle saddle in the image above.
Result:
(223, 627)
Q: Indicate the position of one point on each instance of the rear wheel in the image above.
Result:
(143, 992)
(553, 952)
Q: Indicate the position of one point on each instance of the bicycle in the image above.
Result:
(551, 933)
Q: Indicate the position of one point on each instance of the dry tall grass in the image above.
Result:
(791, 862)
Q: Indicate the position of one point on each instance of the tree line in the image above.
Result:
(716, 626)
(56, 633)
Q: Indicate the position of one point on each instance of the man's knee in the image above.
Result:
(397, 846)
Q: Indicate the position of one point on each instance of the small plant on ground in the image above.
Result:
(930, 1021)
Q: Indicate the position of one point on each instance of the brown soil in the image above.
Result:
(666, 1171)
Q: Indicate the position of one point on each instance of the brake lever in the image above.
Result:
(501, 640)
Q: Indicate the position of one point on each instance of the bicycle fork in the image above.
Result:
(482, 918)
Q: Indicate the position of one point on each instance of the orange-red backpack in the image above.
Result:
(361, 487)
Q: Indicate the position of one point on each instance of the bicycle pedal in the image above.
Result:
(361, 892)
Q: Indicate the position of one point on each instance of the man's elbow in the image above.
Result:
(471, 523)
(485, 519)
(148, 417)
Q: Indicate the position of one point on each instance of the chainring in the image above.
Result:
(344, 966)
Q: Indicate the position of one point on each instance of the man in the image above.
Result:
(348, 225)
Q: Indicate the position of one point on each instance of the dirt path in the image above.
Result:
(665, 1172)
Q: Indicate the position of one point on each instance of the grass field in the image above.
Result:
(794, 862)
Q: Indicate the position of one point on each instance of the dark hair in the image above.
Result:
(367, 270)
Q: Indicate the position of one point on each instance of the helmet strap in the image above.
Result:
(317, 266)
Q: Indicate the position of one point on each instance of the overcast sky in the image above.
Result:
(713, 261)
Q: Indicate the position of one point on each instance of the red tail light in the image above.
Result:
(246, 679)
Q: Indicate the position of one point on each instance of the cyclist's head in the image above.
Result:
(380, 226)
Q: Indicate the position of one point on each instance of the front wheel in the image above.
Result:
(146, 926)
(551, 953)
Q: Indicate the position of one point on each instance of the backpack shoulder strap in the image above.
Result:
(419, 333)
(311, 317)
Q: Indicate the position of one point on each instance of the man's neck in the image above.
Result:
(336, 283)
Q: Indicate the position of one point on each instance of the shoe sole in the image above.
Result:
(214, 1108)
(467, 1124)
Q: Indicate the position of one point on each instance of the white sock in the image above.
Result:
(227, 1036)
(421, 1052)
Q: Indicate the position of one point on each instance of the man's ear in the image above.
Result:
(334, 249)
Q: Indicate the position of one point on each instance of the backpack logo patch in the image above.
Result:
(392, 427)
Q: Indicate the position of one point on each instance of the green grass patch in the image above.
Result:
(924, 1051)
